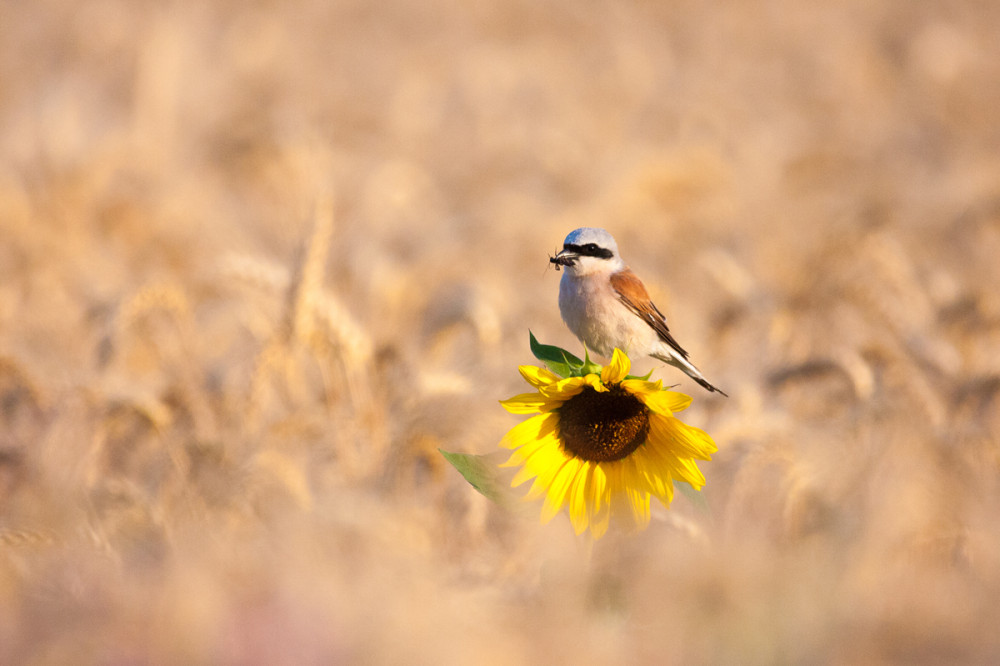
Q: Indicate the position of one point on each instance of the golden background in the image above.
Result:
(260, 260)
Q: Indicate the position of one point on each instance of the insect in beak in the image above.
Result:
(563, 258)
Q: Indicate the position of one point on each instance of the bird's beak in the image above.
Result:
(564, 258)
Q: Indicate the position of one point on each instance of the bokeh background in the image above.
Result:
(260, 260)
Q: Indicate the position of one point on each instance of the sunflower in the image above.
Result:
(602, 444)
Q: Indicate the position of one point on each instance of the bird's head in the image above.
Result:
(589, 250)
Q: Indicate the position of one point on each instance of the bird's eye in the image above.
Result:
(590, 247)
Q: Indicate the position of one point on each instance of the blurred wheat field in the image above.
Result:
(260, 261)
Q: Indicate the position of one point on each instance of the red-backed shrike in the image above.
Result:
(606, 305)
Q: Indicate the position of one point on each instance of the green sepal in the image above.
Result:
(644, 378)
(589, 367)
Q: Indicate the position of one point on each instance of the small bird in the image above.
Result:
(606, 305)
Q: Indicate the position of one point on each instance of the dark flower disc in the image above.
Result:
(603, 426)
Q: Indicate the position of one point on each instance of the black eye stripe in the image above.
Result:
(589, 250)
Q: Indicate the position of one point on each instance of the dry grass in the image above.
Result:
(260, 260)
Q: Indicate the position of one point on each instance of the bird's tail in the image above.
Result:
(691, 371)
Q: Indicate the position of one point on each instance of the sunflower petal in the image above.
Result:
(537, 377)
(536, 491)
(670, 434)
(686, 469)
(598, 496)
(678, 467)
(636, 493)
(539, 464)
(558, 489)
(617, 369)
(594, 382)
(640, 507)
(655, 474)
(529, 403)
(563, 389)
(641, 388)
(523, 454)
(579, 507)
(535, 428)
(666, 402)
(693, 438)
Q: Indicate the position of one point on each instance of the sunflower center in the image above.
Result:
(603, 426)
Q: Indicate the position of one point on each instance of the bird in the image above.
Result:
(606, 305)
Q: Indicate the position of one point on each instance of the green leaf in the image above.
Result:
(483, 473)
(557, 359)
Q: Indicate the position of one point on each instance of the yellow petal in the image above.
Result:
(546, 475)
(686, 469)
(636, 493)
(600, 502)
(678, 401)
(564, 388)
(522, 475)
(539, 464)
(679, 467)
(640, 387)
(694, 438)
(537, 377)
(640, 508)
(578, 505)
(523, 453)
(536, 491)
(671, 435)
(666, 402)
(617, 369)
(537, 427)
(558, 490)
(655, 474)
(529, 403)
(594, 382)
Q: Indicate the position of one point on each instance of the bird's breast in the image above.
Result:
(592, 311)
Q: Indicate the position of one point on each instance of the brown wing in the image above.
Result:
(633, 294)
